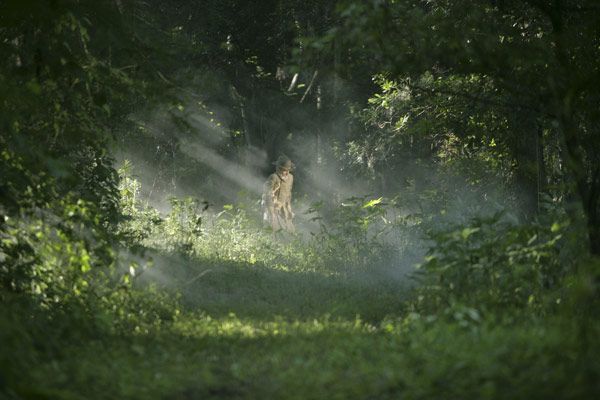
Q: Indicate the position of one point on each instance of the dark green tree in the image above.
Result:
(541, 55)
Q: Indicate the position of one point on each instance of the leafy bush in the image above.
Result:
(55, 254)
(493, 264)
(351, 234)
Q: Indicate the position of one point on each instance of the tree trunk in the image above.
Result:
(527, 173)
(565, 94)
(593, 207)
(541, 165)
(575, 162)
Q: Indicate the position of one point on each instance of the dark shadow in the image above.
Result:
(221, 287)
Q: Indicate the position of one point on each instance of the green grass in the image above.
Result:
(250, 332)
(259, 291)
(200, 356)
(249, 324)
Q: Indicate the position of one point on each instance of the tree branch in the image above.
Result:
(482, 100)
(312, 81)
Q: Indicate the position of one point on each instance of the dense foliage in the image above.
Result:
(447, 199)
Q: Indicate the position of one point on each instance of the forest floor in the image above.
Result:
(263, 332)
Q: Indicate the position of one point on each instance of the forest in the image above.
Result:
(446, 199)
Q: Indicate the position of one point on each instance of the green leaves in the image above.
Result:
(54, 257)
(372, 203)
(493, 264)
(465, 233)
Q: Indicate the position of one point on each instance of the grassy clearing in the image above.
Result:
(200, 356)
(247, 331)
(286, 318)
(258, 291)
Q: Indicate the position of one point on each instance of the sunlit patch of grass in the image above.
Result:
(203, 325)
(199, 356)
(234, 265)
(352, 241)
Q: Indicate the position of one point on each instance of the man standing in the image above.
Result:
(277, 197)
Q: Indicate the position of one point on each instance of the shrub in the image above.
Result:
(492, 263)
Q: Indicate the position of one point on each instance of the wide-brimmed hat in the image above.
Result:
(283, 162)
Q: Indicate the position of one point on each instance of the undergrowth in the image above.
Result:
(195, 304)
